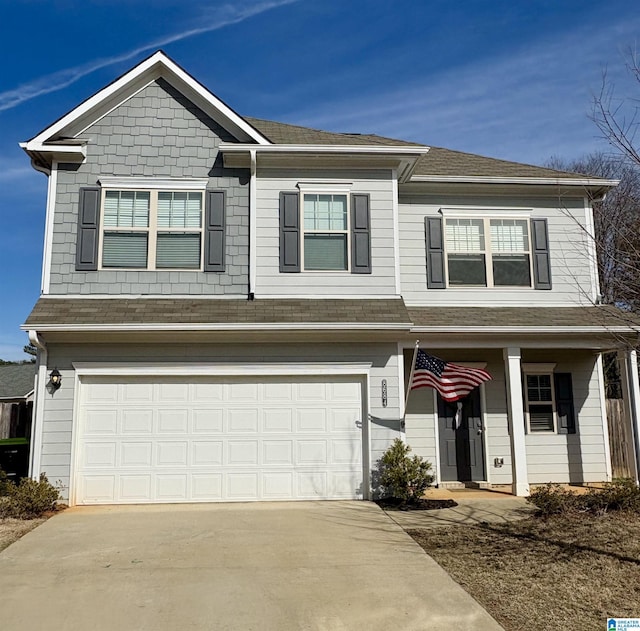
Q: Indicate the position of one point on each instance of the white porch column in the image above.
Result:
(515, 409)
(628, 361)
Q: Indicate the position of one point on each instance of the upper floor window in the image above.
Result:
(153, 229)
(326, 232)
(488, 252)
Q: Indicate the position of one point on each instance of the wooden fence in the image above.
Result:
(620, 440)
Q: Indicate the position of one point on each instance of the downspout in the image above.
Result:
(35, 451)
(252, 225)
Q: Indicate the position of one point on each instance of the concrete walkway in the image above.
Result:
(321, 566)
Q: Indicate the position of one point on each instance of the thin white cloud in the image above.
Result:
(225, 16)
(525, 107)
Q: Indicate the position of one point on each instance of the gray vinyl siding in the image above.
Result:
(384, 423)
(568, 243)
(155, 133)
(270, 281)
(563, 458)
(578, 457)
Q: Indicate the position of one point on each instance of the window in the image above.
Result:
(326, 230)
(488, 252)
(154, 229)
(540, 402)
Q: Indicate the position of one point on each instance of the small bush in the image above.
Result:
(29, 499)
(401, 476)
(553, 499)
(5, 483)
(621, 494)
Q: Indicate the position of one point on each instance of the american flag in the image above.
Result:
(453, 382)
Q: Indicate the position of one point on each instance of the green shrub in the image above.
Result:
(621, 494)
(401, 476)
(29, 499)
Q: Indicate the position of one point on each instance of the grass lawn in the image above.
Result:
(559, 573)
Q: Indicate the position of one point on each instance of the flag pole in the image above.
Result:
(413, 367)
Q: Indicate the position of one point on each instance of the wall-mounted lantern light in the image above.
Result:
(55, 380)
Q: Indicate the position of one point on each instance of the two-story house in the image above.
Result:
(230, 305)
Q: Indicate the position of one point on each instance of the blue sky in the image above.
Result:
(505, 78)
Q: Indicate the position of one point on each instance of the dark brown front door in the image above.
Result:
(461, 444)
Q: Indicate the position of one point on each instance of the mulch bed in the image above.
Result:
(392, 503)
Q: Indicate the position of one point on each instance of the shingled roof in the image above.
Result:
(180, 311)
(16, 380)
(438, 162)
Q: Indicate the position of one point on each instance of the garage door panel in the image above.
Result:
(172, 392)
(136, 392)
(173, 421)
(242, 452)
(137, 421)
(171, 487)
(312, 420)
(232, 439)
(207, 453)
(206, 486)
(208, 421)
(135, 488)
(172, 453)
(277, 420)
(99, 455)
(277, 452)
(243, 420)
(101, 422)
(136, 454)
(242, 486)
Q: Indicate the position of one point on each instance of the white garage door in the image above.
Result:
(203, 439)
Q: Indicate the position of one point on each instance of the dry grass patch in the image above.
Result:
(566, 572)
(12, 529)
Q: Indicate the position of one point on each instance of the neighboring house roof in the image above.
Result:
(186, 313)
(437, 162)
(560, 319)
(16, 380)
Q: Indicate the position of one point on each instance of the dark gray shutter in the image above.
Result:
(541, 264)
(564, 403)
(360, 234)
(435, 253)
(88, 226)
(289, 232)
(214, 238)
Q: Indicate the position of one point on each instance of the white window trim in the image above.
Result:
(487, 252)
(325, 188)
(151, 229)
(538, 370)
(154, 183)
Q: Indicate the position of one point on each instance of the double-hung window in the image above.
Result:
(540, 402)
(151, 229)
(326, 231)
(488, 252)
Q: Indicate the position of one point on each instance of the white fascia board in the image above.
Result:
(480, 179)
(59, 152)
(384, 150)
(226, 369)
(524, 329)
(171, 326)
(155, 66)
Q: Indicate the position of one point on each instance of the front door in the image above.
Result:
(461, 443)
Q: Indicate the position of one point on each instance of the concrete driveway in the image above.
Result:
(319, 566)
